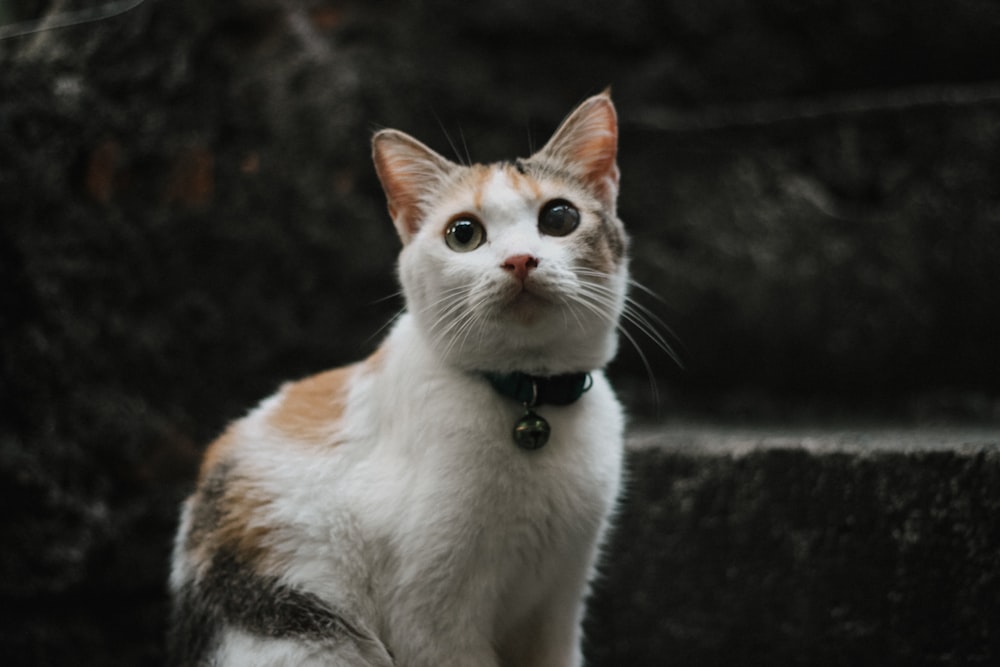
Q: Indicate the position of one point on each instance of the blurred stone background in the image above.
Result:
(188, 217)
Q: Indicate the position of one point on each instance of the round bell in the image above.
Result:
(531, 431)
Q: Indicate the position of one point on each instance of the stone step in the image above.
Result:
(804, 546)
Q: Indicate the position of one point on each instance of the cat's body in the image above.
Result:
(382, 513)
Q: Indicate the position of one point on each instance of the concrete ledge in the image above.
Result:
(873, 546)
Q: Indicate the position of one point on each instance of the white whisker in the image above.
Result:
(388, 297)
(654, 389)
(601, 297)
(458, 329)
(388, 323)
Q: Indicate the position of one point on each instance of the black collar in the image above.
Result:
(532, 390)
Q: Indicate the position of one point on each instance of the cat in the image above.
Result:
(442, 502)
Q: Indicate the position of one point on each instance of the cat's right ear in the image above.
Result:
(410, 173)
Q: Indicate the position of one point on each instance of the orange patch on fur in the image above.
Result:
(244, 527)
(309, 409)
(524, 182)
(480, 177)
(230, 517)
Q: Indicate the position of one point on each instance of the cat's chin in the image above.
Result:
(525, 308)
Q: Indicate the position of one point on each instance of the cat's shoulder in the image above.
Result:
(303, 414)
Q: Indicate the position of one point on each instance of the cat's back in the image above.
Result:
(303, 421)
(272, 493)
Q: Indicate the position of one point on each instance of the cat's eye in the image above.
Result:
(464, 234)
(558, 218)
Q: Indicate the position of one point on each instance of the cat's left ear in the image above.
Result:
(410, 173)
(586, 145)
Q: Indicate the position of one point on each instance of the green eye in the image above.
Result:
(558, 218)
(464, 234)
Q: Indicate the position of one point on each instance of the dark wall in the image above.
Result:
(189, 217)
(812, 189)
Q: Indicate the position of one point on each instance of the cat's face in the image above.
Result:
(513, 266)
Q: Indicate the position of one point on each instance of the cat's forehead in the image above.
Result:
(505, 187)
(501, 189)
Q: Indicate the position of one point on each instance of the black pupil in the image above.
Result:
(560, 218)
(464, 231)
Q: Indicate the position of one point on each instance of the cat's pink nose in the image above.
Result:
(520, 265)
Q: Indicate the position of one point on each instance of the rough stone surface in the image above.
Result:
(868, 546)
(189, 217)
(805, 547)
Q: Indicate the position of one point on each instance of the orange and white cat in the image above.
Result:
(442, 502)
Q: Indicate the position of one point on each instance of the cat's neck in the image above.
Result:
(423, 353)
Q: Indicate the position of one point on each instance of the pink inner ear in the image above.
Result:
(587, 143)
(596, 135)
(596, 156)
(401, 194)
(598, 153)
(408, 171)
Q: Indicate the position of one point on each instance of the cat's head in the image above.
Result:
(513, 266)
